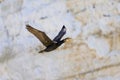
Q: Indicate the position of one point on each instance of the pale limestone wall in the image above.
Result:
(100, 21)
(92, 54)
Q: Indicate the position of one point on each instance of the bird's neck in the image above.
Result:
(60, 42)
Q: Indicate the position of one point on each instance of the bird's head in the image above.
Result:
(67, 39)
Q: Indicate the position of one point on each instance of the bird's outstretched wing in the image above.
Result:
(60, 34)
(40, 35)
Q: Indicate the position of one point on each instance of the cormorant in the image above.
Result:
(46, 41)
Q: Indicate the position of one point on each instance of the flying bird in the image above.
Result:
(46, 41)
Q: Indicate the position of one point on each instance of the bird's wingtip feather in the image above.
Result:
(63, 26)
(27, 25)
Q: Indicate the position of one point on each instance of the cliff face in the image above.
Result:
(92, 54)
(100, 23)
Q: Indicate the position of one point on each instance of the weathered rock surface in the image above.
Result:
(92, 54)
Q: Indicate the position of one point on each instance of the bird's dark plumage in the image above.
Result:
(40, 35)
(46, 41)
(60, 34)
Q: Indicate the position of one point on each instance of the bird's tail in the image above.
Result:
(41, 51)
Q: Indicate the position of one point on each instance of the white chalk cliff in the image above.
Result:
(92, 54)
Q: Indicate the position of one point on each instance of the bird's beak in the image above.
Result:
(68, 40)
